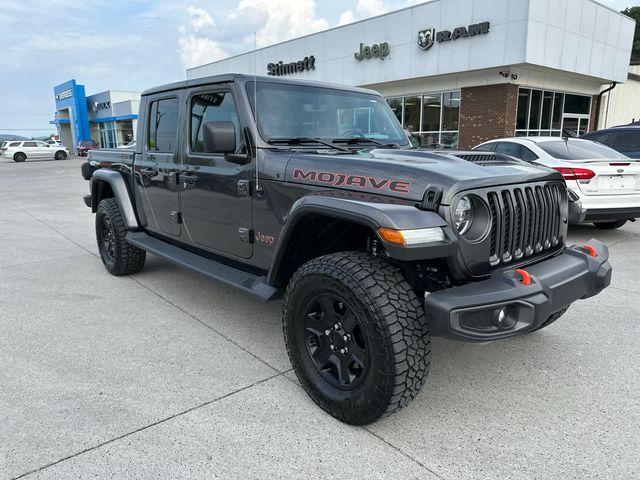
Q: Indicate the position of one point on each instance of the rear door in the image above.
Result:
(30, 149)
(44, 150)
(158, 164)
(215, 198)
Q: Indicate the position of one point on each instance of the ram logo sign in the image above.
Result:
(426, 38)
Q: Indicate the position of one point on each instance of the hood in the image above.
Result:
(407, 174)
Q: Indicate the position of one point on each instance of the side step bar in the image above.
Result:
(210, 268)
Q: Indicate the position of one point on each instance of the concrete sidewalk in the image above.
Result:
(166, 374)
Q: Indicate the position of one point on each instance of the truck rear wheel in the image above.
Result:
(118, 257)
(356, 335)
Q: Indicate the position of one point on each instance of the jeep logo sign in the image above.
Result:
(374, 51)
(427, 37)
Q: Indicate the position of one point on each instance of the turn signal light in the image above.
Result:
(575, 173)
(411, 237)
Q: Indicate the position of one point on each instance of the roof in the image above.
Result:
(233, 77)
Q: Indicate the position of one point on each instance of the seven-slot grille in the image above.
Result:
(525, 221)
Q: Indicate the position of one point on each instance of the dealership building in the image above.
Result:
(108, 118)
(460, 72)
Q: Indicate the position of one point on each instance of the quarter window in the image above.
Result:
(14, 144)
(163, 125)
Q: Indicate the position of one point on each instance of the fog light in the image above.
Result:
(505, 317)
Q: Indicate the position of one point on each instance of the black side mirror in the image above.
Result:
(219, 137)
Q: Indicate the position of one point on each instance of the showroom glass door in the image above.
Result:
(575, 125)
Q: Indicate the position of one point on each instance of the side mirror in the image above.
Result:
(219, 137)
(415, 140)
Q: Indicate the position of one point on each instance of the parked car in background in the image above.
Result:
(131, 144)
(85, 145)
(53, 142)
(32, 149)
(624, 139)
(606, 181)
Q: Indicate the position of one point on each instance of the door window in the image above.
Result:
(163, 125)
(212, 107)
(511, 149)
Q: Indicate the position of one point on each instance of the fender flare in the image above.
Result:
(120, 191)
(373, 212)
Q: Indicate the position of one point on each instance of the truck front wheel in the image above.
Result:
(356, 335)
(118, 257)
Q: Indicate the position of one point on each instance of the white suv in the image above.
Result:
(606, 182)
(32, 149)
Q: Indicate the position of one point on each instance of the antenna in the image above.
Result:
(255, 109)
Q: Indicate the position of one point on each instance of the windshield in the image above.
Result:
(578, 150)
(296, 111)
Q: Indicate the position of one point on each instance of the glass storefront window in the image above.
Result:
(434, 116)
(450, 111)
(412, 113)
(522, 115)
(396, 106)
(546, 113)
(431, 105)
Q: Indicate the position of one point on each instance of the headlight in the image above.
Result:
(463, 215)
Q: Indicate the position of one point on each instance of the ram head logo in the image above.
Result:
(426, 38)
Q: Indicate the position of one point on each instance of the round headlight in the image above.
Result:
(463, 215)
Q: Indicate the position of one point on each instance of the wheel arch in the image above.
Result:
(111, 184)
(321, 224)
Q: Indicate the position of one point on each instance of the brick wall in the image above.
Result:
(486, 113)
(594, 109)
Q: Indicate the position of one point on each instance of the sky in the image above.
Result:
(138, 44)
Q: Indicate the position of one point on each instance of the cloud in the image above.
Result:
(199, 17)
(272, 21)
(195, 50)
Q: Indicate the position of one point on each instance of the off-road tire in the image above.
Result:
(60, 155)
(119, 258)
(552, 318)
(610, 225)
(19, 157)
(394, 325)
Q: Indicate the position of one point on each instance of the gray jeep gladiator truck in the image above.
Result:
(310, 192)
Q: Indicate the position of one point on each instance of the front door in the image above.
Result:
(215, 194)
(157, 167)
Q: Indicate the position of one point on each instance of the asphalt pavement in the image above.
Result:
(166, 374)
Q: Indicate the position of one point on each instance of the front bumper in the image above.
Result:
(472, 312)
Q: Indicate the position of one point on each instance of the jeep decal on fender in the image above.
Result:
(340, 179)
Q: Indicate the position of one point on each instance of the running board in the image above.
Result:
(209, 268)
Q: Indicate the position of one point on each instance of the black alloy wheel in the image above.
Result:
(106, 239)
(335, 341)
(118, 257)
(356, 335)
(19, 157)
(60, 155)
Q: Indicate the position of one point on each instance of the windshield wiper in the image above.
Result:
(357, 140)
(304, 140)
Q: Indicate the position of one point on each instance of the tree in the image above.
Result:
(634, 12)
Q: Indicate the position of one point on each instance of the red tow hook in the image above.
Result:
(592, 251)
(526, 278)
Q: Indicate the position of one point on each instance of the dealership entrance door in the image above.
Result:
(575, 125)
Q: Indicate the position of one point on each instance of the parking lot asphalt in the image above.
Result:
(166, 374)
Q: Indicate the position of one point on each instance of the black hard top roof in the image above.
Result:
(231, 77)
